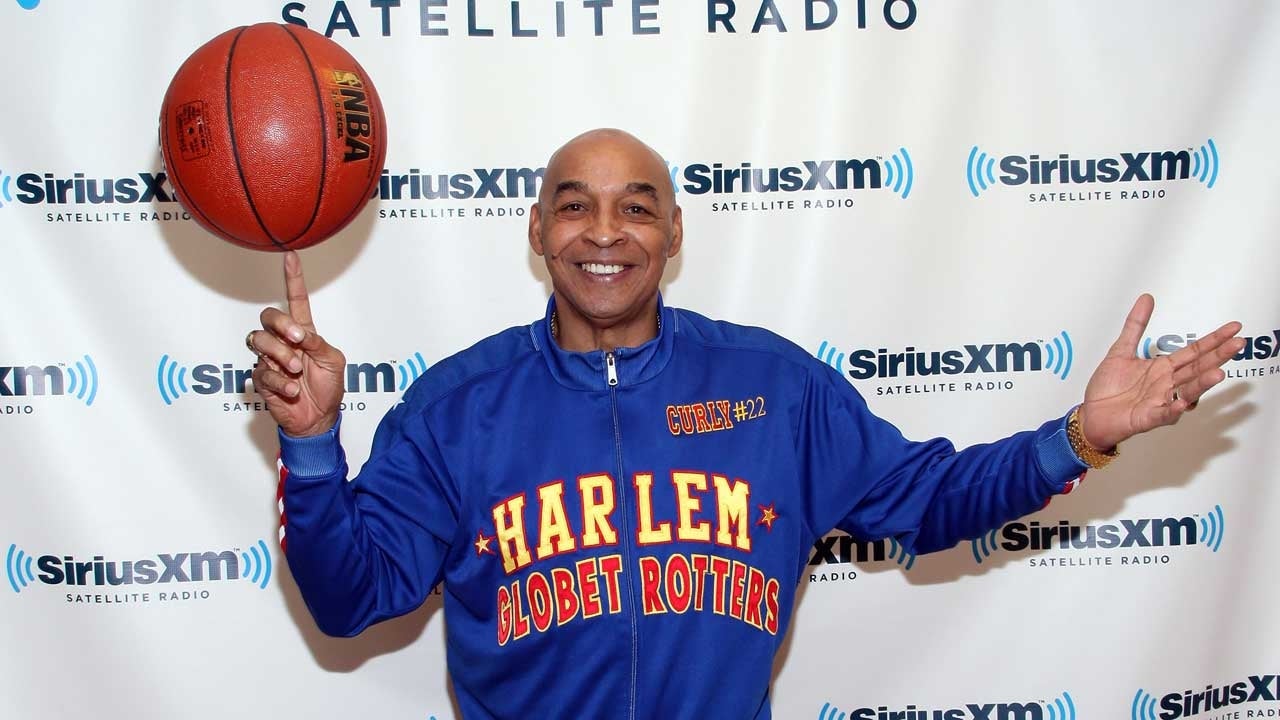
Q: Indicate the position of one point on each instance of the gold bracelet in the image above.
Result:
(1088, 454)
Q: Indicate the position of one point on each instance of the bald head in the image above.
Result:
(607, 146)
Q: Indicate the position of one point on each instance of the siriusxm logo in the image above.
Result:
(1059, 708)
(1185, 704)
(28, 4)
(50, 189)
(896, 173)
(1207, 530)
(1053, 355)
(78, 379)
(1257, 347)
(226, 379)
(478, 184)
(253, 565)
(843, 549)
(1152, 166)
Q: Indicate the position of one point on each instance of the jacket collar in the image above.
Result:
(588, 371)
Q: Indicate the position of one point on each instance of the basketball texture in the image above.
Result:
(273, 136)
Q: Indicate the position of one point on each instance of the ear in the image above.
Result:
(535, 229)
(677, 232)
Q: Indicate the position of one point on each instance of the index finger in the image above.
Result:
(295, 290)
(1215, 343)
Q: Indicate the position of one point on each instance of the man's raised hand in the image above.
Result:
(1127, 394)
(299, 375)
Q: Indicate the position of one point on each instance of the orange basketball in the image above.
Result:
(273, 136)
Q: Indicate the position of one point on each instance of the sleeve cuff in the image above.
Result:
(1057, 459)
(313, 456)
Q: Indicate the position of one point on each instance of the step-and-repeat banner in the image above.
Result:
(952, 202)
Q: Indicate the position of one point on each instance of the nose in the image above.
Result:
(605, 228)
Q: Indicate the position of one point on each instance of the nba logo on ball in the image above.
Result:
(273, 136)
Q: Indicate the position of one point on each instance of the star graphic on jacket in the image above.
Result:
(482, 544)
(767, 515)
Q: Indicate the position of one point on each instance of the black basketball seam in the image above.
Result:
(177, 185)
(382, 153)
(235, 150)
(324, 136)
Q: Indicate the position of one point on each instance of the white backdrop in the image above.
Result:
(121, 441)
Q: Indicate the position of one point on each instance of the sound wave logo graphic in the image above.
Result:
(17, 567)
(83, 378)
(830, 712)
(1061, 708)
(900, 555)
(828, 355)
(28, 4)
(256, 565)
(899, 174)
(5, 195)
(1058, 355)
(1144, 350)
(171, 379)
(411, 370)
(674, 171)
(1144, 706)
(1212, 527)
(984, 545)
(980, 171)
(1204, 164)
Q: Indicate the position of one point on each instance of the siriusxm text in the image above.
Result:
(1255, 688)
(1146, 532)
(34, 188)
(164, 568)
(210, 379)
(990, 357)
(1128, 167)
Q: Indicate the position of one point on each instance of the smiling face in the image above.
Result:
(606, 222)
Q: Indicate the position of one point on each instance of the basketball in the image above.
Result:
(272, 136)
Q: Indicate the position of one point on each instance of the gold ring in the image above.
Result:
(248, 342)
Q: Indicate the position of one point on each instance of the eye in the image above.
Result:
(637, 210)
(573, 206)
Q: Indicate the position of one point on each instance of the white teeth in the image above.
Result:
(598, 269)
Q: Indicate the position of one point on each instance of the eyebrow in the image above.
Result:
(581, 187)
(642, 187)
(570, 186)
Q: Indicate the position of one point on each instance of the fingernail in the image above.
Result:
(293, 389)
(296, 334)
(295, 365)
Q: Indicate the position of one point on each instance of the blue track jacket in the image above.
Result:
(620, 535)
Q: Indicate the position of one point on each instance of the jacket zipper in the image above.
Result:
(611, 375)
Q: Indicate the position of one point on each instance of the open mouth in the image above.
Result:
(601, 268)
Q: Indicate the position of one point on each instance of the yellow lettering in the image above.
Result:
(508, 519)
(596, 528)
(686, 506)
(733, 506)
(554, 535)
(647, 534)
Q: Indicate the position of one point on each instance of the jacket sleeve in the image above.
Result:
(862, 476)
(372, 548)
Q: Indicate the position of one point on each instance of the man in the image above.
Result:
(614, 542)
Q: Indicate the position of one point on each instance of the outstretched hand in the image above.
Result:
(299, 375)
(1127, 394)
